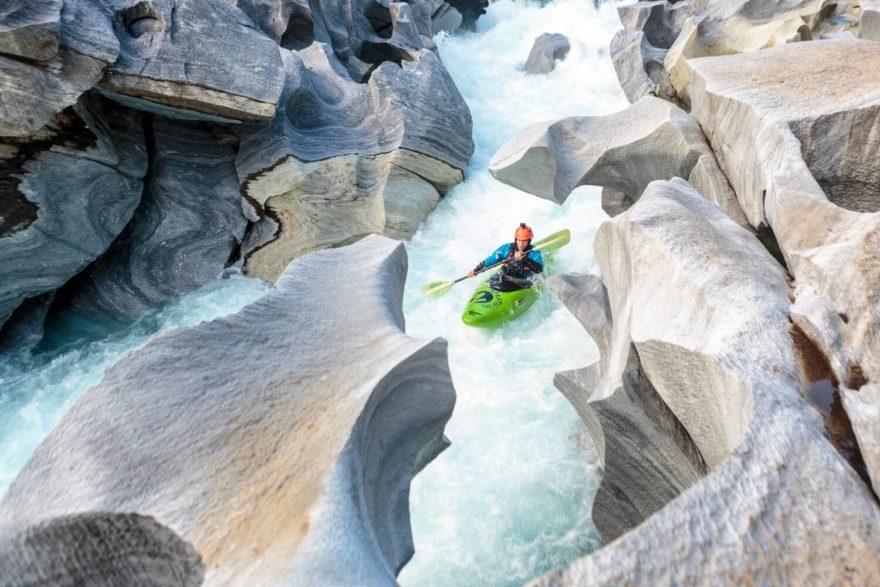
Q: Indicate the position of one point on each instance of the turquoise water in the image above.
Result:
(36, 389)
(511, 498)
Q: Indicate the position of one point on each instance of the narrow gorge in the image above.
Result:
(218, 366)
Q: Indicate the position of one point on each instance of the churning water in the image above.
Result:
(511, 498)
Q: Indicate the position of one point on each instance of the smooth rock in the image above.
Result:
(214, 62)
(389, 156)
(101, 550)
(869, 21)
(446, 19)
(798, 136)
(726, 27)
(706, 308)
(32, 92)
(30, 30)
(68, 193)
(647, 457)
(275, 460)
(625, 151)
(548, 48)
(188, 224)
(863, 409)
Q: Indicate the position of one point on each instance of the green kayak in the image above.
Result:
(488, 307)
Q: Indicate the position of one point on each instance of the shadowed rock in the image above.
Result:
(183, 233)
(67, 193)
(548, 48)
(706, 308)
(798, 136)
(863, 409)
(625, 151)
(278, 460)
(101, 550)
(647, 457)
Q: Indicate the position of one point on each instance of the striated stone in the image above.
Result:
(863, 409)
(399, 140)
(647, 457)
(548, 48)
(738, 26)
(639, 50)
(869, 21)
(32, 92)
(30, 30)
(625, 151)
(99, 549)
(214, 63)
(798, 136)
(275, 460)
(68, 193)
(706, 309)
(446, 19)
(186, 228)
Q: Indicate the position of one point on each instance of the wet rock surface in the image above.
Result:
(547, 50)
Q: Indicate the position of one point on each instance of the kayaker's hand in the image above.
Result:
(471, 273)
(518, 255)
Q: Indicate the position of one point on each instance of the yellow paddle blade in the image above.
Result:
(554, 241)
(436, 289)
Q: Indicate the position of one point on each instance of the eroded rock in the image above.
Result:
(548, 48)
(706, 308)
(625, 151)
(797, 136)
(273, 459)
(183, 233)
(863, 409)
(390, 155)
(67, 193)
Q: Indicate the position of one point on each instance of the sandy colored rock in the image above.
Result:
(548, 48)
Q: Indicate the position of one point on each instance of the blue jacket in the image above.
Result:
(532, 264)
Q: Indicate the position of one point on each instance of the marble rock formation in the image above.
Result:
(863, 409)
(798, 135)
(651, 52)
(647, 456)
(187, 57)
(869, 21)
(706, 307)
(278, 459)
(398, 141)
(189, 223)
(50, 53)
(638, 50)
(67, 193)
(548, 48)
(101, 550)
(625, 151)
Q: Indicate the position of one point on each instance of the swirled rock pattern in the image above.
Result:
(706, 308)
(68, 192)
(624, 152)
(277, 459)
(99, 549)
(548, 48)
(391, 154)
(802, 159)
(188, 224)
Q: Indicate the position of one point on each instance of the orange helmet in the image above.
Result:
(523, 232)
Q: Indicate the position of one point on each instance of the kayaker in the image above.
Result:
(522, 266)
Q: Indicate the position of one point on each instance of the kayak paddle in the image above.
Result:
(551, 243)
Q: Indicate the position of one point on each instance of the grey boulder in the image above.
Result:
(548, 48)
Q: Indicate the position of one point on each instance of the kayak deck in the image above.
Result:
(489, 307)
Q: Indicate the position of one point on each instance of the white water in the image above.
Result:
(36, 390)
(511, 498)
